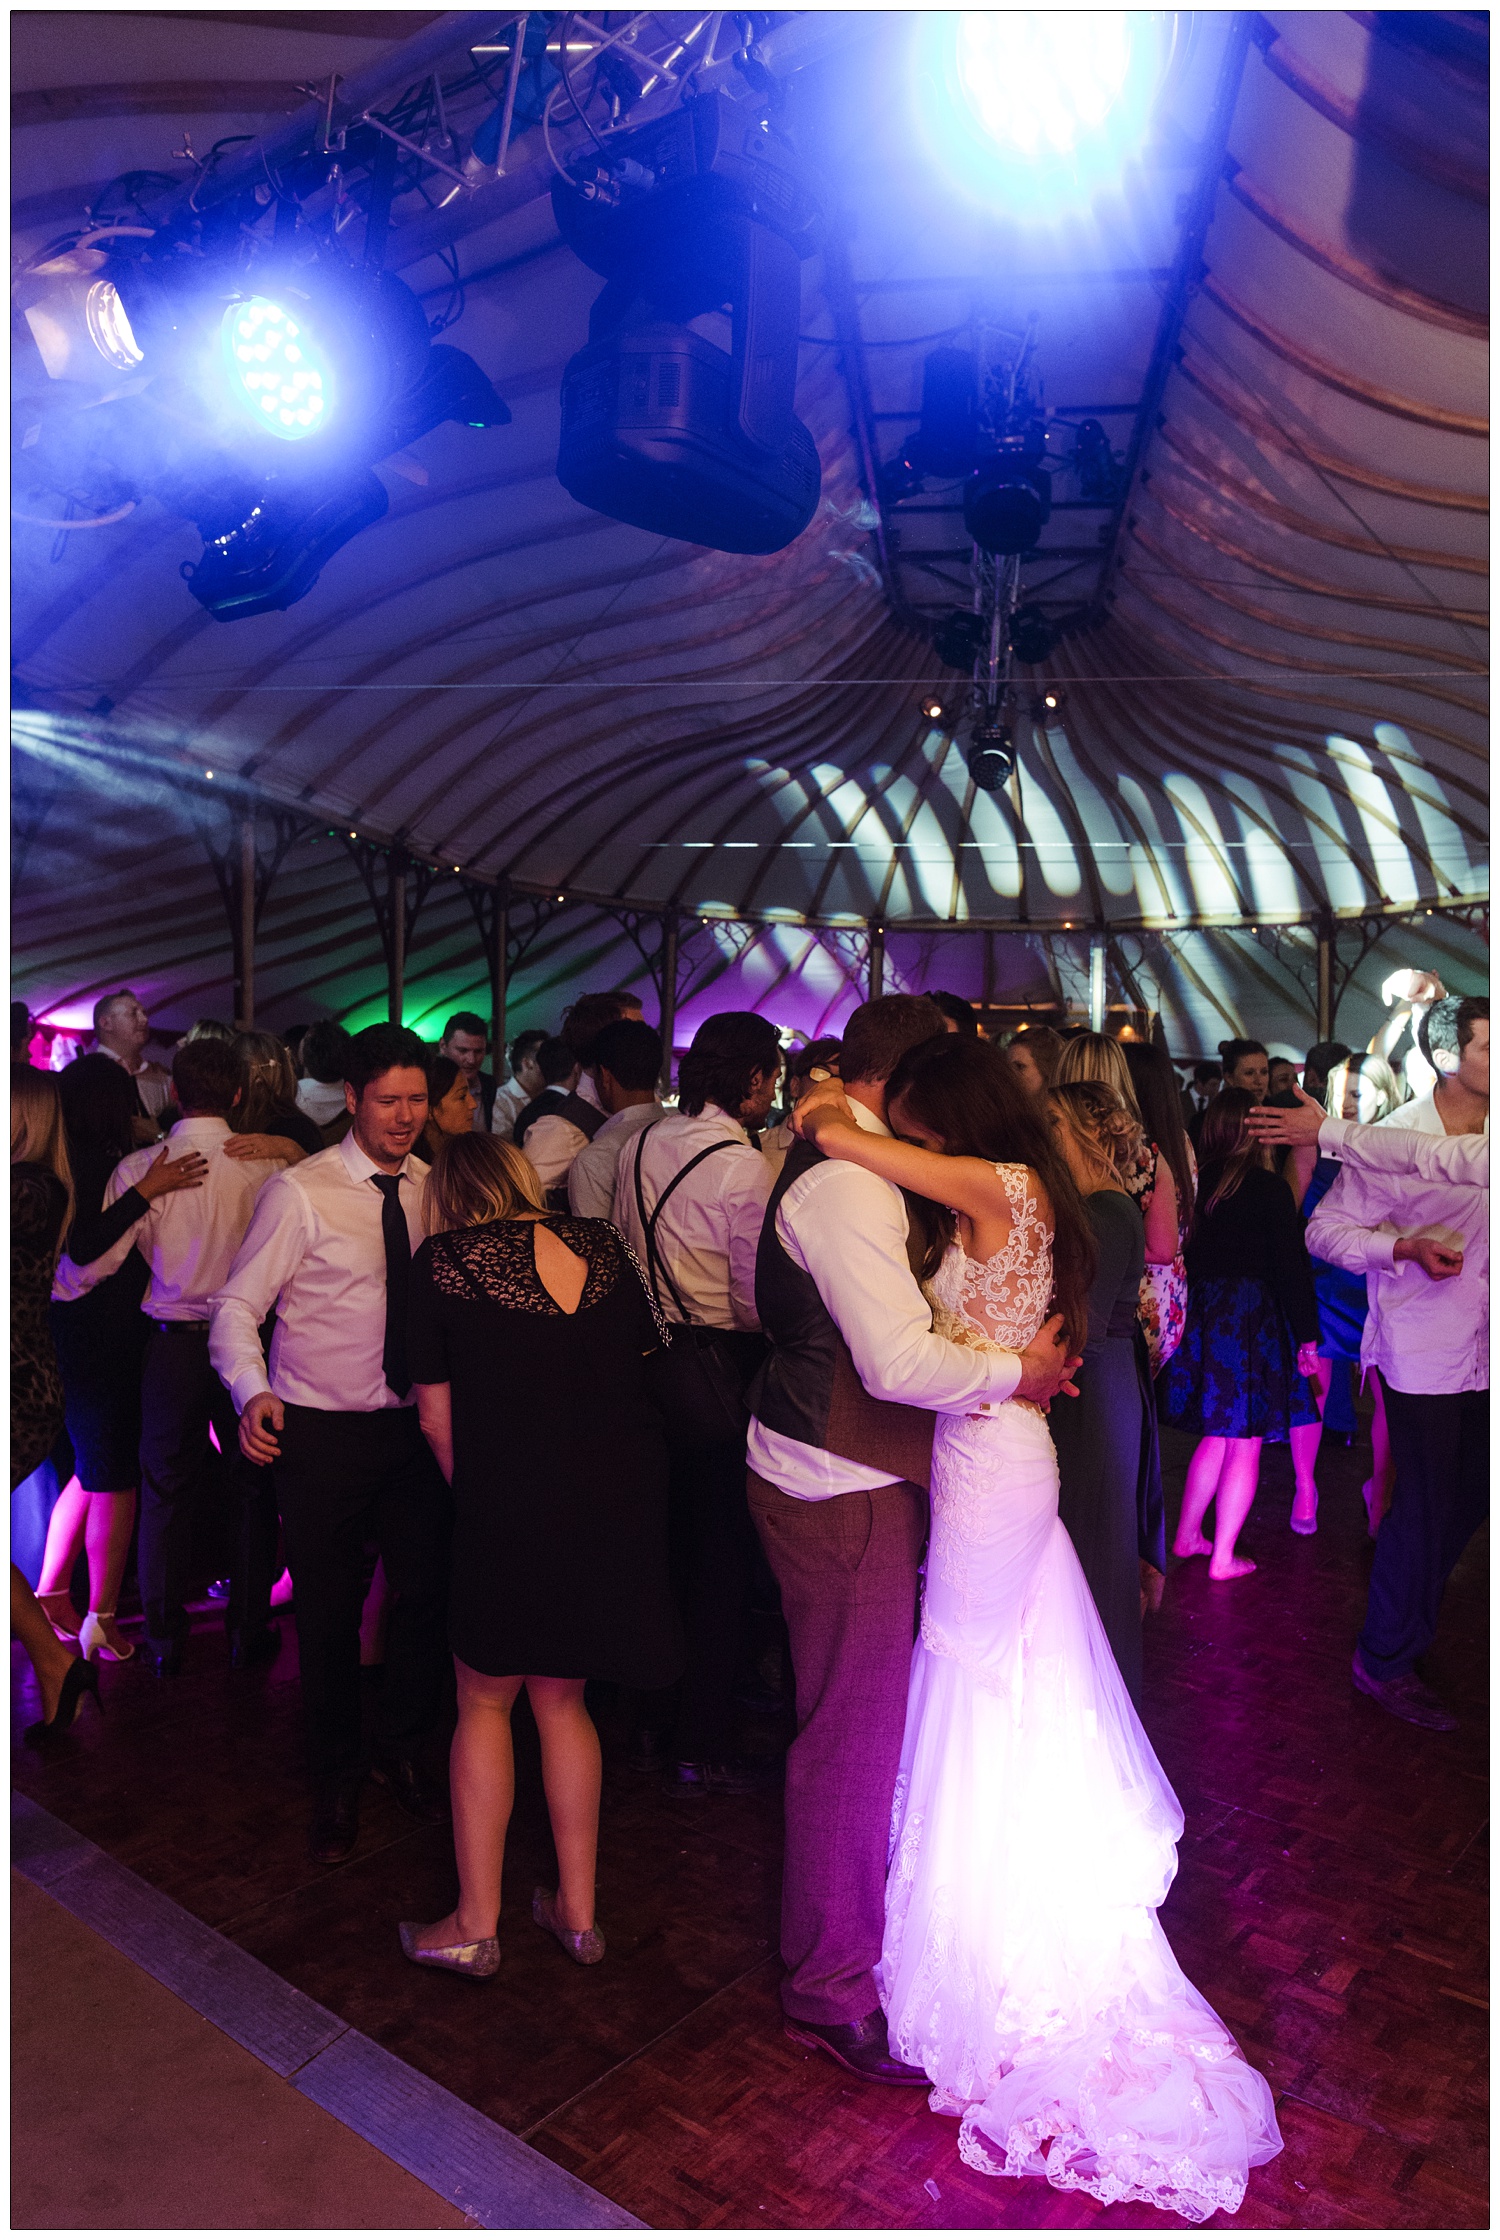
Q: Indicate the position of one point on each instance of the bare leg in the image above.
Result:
(1305, 1440)
(572, 1771)
(33, 1629)
(110, 1521)
(65, 1530)
(482, 1772)
(1381, 1483)
(1202, 1484)
(1236, 1493)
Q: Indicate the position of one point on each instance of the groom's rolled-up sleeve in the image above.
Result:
(848, 1229)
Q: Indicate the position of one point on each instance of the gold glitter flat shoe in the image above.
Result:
(481, 1958)
(586, 1946)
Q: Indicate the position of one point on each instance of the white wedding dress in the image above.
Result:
(1034, 1833)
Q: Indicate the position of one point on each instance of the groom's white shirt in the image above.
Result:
(847, 1230)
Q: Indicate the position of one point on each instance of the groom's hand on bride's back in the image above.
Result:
(1047, 1366)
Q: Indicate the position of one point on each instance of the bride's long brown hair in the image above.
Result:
(967, 1092)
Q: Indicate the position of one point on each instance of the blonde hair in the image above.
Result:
(1360, 1072)
(268, 1079)
(1096, 1119)
(479, 1178)
(37, 1134)
(1098, 1057)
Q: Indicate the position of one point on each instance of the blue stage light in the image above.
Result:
(1039, 111)
(276, 372)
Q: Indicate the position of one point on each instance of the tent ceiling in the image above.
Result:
(1275, 707)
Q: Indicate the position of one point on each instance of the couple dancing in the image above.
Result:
(978, 1831)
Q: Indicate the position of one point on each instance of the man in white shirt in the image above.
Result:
(626, 1070)
(330, 1246)
(1423, 1246)
(320, 1092)
(556, 1125)
(189, 1242)
(690, 1199)
(122, 1031)
(839, 1453)
(524, 1082)
(582, 1021)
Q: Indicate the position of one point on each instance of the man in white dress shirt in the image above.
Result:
(839, 1453)
(524, 1082)
(626, 1071)
(189, 1242)
(330, 1246)
(1423, 1246)
(556, 1125)
(320, 1092)
(699, 1183)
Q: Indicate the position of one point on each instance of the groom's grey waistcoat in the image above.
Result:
(808, 1388)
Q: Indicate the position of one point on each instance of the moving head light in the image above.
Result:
(660, 427)
(1008, 497)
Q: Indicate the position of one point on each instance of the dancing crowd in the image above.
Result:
(577, 1380)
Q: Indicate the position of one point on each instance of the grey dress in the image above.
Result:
(1102, 1437)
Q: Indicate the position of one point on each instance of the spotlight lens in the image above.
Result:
(1039, 111)
(275, 369)
(1040, 83)
(109, 328)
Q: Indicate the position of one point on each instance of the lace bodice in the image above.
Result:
(1001, 1301)
(497, 1261)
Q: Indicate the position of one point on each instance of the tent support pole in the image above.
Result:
(396, 977)
(498, 958)
(877, 961)
(668, 996)
(1326, 1005)
(246, 1004)
(1096, 982)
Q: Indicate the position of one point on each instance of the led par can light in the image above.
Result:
(991, 756)
(276, 372)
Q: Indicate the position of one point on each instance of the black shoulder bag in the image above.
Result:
(698, 1382)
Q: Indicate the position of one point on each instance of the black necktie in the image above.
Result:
(397, 1274)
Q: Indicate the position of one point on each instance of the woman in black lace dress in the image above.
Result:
(529, 1340)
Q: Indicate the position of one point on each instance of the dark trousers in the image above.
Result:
(847, 1569)
(1440, 1444)
(181, 1397)
(343, 1480)
(713, 1553)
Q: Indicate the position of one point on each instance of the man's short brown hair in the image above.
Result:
(880, 1033)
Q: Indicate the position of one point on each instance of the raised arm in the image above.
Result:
(1392, 1150)
(969, 1186)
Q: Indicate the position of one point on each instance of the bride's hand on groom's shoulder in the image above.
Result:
(825, 1104)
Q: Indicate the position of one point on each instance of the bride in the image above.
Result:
(1034, 1833)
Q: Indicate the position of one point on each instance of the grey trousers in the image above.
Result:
(847, 1569)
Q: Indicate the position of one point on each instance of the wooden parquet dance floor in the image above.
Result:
(1331, 1903)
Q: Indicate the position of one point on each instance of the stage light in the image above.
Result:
(109, 328)
(1048, 706)
(933, 709)
(958, 637)
(1032, 637)
(991, 756)
(1007, 504)
(272, 556)
(1037, 111)
(1039, 83)
(276, 371)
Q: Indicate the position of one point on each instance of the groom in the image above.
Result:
(840, 1452)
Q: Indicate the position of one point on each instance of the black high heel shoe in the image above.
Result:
(81, 1679)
